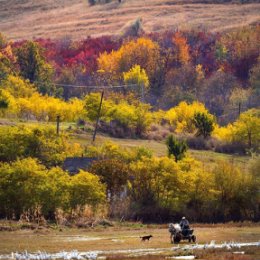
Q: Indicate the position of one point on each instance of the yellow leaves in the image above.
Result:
(182, 115)
(18, 87)
(45, 108)
(142, 51)
(136, 75)
(159, 116)
(8, 52)
(245, 129)
(108, 63)
(26, 102)
(12, 105)
(171, 116)
(223, 133)
(200, 72)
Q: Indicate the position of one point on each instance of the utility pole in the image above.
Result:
(98, 116)
(142, 92)
(58, 124)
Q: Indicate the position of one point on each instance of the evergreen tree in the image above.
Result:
(176, 147)
(204, 124)
(34, 67)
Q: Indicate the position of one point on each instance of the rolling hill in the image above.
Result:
(27, 19)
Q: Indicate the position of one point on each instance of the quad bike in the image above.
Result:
(178, 234)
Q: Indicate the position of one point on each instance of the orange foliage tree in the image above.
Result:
(182, 54)
(143, 52)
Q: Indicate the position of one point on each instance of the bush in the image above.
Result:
(199, 143)
(157, 132)
(231, 148)
(134, 29)
(177, 148)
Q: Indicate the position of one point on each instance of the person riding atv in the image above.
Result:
(185, 226)
(181, 231)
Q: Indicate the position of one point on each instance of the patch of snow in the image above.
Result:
(94, 255)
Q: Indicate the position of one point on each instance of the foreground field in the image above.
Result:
(120, 238)
(56, 19)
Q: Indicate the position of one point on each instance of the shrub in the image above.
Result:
(231, 148)
(177, 148)
(134, 29)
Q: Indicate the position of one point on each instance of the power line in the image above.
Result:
(94, 87)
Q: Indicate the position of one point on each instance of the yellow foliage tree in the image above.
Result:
(18, 87)
(246, 128)
(142, 51)
(136, 75)
(181, 116)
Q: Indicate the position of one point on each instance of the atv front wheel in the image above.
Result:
(177, 239)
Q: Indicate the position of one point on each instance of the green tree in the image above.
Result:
(56, 195)
(176, 147)
(92, 102)
(113, 173)
(34, 67)
(41, 143)
(4, 103)
(204, 124)
(236, 193)
(5, 66)
(86, 189)
(22, 185)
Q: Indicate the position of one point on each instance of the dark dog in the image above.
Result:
(143, 238)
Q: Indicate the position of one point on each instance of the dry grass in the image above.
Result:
(75, 18)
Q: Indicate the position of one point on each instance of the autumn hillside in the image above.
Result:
(54, 19)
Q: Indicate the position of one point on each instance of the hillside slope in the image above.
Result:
(23, 19)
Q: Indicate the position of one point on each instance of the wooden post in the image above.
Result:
(58, 124)
(98, 115)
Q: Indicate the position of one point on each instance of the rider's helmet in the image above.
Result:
(183, 218)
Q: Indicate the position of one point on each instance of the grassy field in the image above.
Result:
(160, 149)
(118, 238)
(76, 19)
(208, 158)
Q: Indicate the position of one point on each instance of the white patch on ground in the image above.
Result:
(89, 238)
(79, 238)
(93, 255)
(187, 257)
(118, 240)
